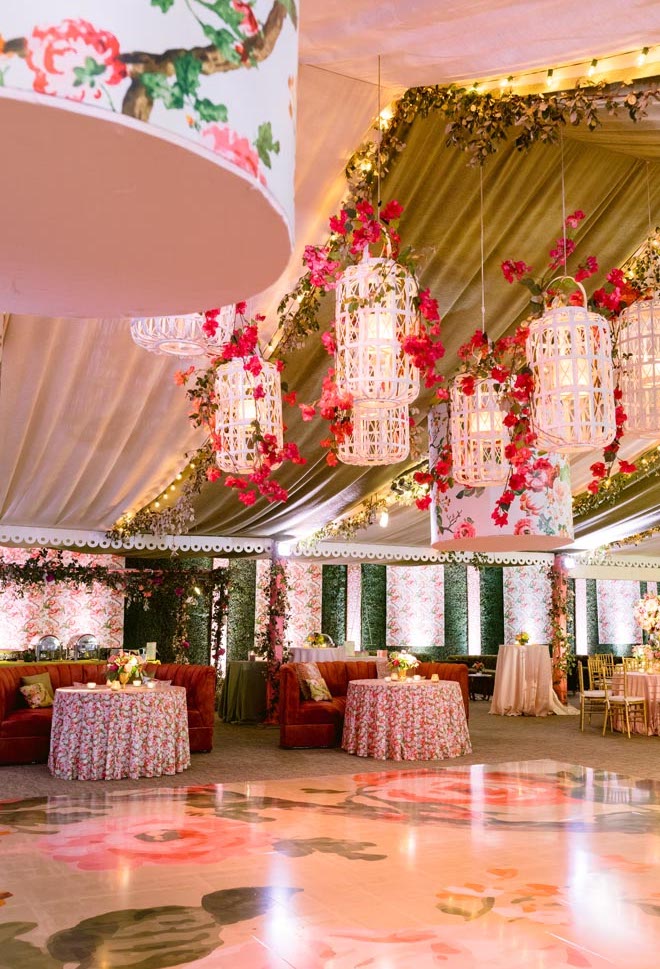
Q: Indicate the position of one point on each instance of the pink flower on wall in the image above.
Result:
(234, 148)
(74, 60)
(523, 527)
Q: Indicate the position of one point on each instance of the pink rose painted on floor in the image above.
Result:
(124, 843)
(236, 149)
(74, 60)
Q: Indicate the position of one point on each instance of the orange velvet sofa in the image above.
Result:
(310, 723)
(25, 733)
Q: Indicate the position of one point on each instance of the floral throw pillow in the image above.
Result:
(37, 696)
(319, 690)
(308, 674)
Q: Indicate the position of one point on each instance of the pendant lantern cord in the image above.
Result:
(563, 200)
(648, 197)
(481, 226)
(380, 138)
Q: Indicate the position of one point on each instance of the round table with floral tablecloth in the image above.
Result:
(405, 720)
(106, 734)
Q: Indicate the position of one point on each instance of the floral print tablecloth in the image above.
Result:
(406, 720)
(106, 735)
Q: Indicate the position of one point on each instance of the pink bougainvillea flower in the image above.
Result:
(248, 497)
(234, 148)
(328, 341)
(338, 223)
(307, 412)
(60, 57)
(392, 211)
(113, 843)
(626, 468)
(515, 270)
(248, 25)
(213, 473)
(573, 220)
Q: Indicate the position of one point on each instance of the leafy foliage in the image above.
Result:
(265, 145)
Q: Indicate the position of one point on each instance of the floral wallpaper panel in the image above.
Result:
(616, 602)
(415, 606)
(304, 580)
(527, 594)
(61, 609)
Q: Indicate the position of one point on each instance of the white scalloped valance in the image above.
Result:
(73, 538)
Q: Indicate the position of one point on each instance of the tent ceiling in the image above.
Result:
(90, 426)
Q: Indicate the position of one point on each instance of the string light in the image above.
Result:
(551, 80)
(384, 519)
(641, 59)
(592, 68)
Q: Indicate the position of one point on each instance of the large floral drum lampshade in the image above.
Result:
(149, 146)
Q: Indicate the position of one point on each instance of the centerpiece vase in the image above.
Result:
(124, 678)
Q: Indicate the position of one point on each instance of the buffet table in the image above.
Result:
(405, 720)
(244, 692)
(523, 681)
(105, 734)
(314, 654)
(646, 685)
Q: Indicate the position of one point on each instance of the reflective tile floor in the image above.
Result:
(533, 865)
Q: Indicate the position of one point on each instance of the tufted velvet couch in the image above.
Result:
(25, 733)
(308, 723)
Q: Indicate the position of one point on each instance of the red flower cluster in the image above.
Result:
(515, 271)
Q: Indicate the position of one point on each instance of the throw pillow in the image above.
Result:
(43, 678)
(319, 690)
(37, 696)
(309, 673)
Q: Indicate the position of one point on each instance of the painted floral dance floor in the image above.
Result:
(529, 865)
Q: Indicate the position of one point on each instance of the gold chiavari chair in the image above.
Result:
(632, 707)
(607, 662)
(630, 664)
(591, 701)
(596, 674)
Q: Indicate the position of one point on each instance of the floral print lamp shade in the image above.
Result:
(539, 521)
(150, 146)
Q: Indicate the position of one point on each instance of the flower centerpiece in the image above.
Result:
(647, 614)
(522, 639)
(478, 667)
(318, 641)
(123, 667)
(400, 662)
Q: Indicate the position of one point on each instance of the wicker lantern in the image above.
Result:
(639, 350)
(375, 313)
(381, 435)
(477, 436)
(182, 336)
(239, 412)
(569, 351)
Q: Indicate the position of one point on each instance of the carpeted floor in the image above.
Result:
(251, 753)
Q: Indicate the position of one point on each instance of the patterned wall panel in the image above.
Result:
(616, 621)
(60, 609)
(304, 592)
(527, 593)
(415, 607)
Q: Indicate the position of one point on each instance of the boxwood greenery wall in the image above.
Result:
(241, 607)
(592, 616)
(333, 602)
(157, 623)
(374, 606)
(492, 609)
(456, 611)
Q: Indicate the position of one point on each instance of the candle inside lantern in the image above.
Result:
(91, 686)
(151, 684)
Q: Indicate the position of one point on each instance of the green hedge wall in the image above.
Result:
(241, 607)
(333, 602)
(374, 606)
(492, 609)
(157, 623)
(456, 612)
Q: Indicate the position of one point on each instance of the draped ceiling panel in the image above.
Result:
(90, 426)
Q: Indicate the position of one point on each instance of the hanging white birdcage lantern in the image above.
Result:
(375, 312)
(478, 436)
(569, 351)
(241, 415)
(182, 336)
(381, 435)
(639, 352)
